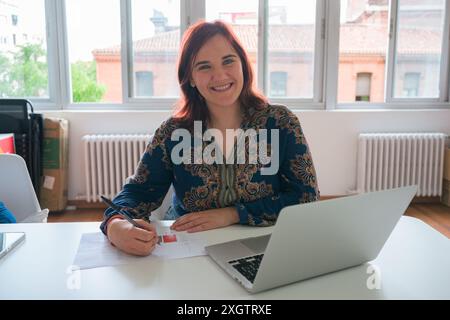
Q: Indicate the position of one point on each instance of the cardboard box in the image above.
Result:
(447, 164)
(55, 164)
(7, 143)
(445, 199)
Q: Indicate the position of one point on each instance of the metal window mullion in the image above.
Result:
(331, 53)
(64, 74)
(445, 54)
(262, 46)
(52, 55)
(397, 105)
(156, 105)
(319, 55)
(126, 52)
(391, 62)
(185, 16)
(390, 58)
(194, 11)
(52, 66)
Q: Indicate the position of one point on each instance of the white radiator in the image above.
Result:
(391, 160)
(109, 160)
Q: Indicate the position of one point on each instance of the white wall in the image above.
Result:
(332, 136)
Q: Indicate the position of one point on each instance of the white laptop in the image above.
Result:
(315, 238)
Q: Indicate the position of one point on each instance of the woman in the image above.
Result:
(216, 80)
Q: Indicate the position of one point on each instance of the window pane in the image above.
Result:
(363, 87)
(144, 83)
(411, 84)
(23, 49)
(93, 31)
(291, 45)
(363, 43)
(419, 48)
(156, 39)
(243, 16)
(278, 84)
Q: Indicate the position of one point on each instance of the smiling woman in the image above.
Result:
(218, 93)
(218, 79)
(214, 70)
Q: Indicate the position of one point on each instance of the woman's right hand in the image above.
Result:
(132, 240)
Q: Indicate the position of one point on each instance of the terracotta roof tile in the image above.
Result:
(354, 39)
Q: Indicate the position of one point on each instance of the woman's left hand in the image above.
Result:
(206, 220)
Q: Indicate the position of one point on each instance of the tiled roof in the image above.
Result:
(354, 39)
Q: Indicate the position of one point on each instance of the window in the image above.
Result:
(411, 84)
(14, 19)
(155, 44)
(363, 87)
(23, 63)
(291, 43)
(307, 54)
(419, 48)
(144, 84)
(94, 50)
(363, 46)
(278, 84)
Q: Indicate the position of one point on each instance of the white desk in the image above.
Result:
(414, 264)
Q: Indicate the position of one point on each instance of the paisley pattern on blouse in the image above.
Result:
(284, 119)
(258, 198)
(303, 169)
(141, 174)
(145, 208)
(202, 197)
(163, 133)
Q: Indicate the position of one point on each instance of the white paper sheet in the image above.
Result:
(95, 250)
(176, 245)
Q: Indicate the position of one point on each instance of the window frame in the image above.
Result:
(326, 61)
(318, 99)
(50, 103)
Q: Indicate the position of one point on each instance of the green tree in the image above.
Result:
(84, 82)
(5, 66)
(24, 73)
(29, 71)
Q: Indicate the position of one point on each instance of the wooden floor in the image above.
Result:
(436, 215)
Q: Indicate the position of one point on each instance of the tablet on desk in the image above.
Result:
(10, 240)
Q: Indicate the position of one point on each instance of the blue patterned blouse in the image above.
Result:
(257, 195)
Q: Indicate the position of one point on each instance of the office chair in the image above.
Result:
(17, 116)
(17, 192)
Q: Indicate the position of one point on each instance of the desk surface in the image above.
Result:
(414, 264)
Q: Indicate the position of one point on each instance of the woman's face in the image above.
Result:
(217, 73)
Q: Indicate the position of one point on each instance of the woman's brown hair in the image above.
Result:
(192, 106)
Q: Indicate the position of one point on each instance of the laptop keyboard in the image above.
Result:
(248, 266)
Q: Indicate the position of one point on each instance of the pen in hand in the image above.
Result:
(120, 211)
